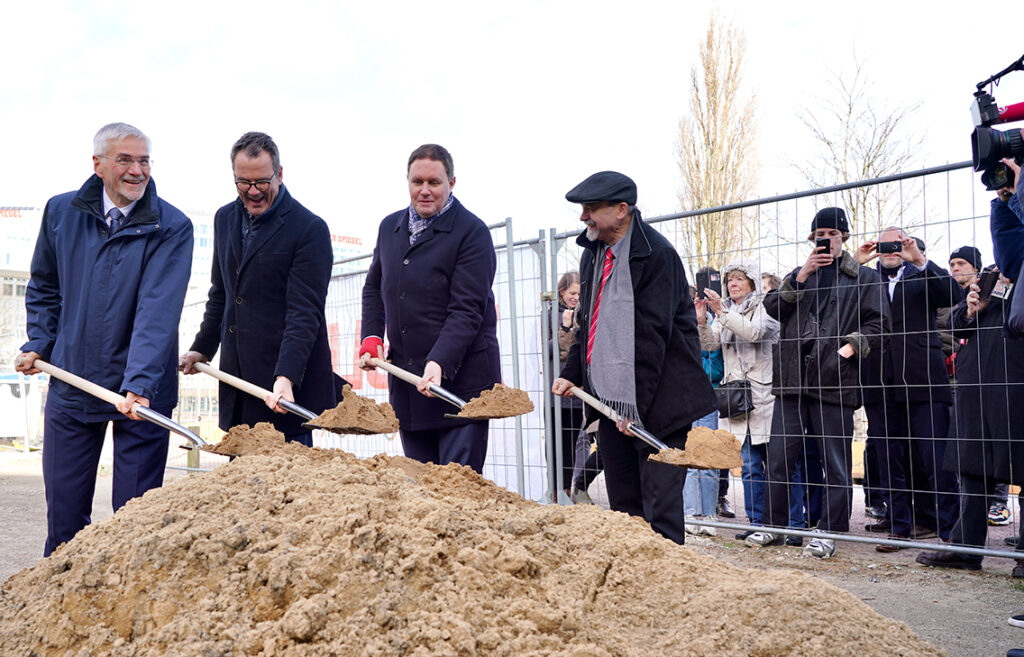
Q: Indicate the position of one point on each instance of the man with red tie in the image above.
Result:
(637, 349)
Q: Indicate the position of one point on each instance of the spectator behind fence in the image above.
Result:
(571, 409)
(745, 334)
(770, 282)
(109, 274)
(906, 392)
(429, 286)
(830, 319)
(637, 349)
(989, 394)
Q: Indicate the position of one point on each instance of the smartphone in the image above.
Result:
(825, 242)
(890, 247)
(711, 280)
(986, 282)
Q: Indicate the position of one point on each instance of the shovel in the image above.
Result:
(262, 393)
(115, 399)
(642, 434)
(414, 380)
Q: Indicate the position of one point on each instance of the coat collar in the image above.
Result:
(849, 265)
(442, 224)
(270, 223)
(89, 199)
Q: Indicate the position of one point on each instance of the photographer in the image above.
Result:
(906, 391)
(1007, 225)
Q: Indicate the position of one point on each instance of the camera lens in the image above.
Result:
(988, 146)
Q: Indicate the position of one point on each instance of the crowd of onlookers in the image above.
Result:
(926, 354)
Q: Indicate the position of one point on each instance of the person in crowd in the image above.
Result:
(429, 287)
(265, 311)
(701, 488)
(906, 395)
(108, 280)
(745, 333)
(987, 447)
(571, 409)
(769, 282)
(830, 320)
(637, 349)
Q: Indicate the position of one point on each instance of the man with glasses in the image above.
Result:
(109, 274)
(271, 267)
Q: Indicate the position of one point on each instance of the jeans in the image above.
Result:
(753, 480)
(700, 492)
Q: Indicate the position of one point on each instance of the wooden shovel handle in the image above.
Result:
(414, 380)
(80, 383)
(232, 380)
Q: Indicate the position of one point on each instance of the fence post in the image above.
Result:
(514, 332)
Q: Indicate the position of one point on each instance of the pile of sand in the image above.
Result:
(705, 449)
(307, 552)
(357, 414)
(500, 401)
(241, 439)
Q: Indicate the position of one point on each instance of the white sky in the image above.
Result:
(530, 97)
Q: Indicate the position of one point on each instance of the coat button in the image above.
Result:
(405, 330)
(402, 296)
(238, 300)
(409, 363)
(231, 329)
(405, 262)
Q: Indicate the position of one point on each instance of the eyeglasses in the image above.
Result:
(262, 185)
(124, 161)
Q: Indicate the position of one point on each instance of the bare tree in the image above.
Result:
(859, 138)
(717, 155)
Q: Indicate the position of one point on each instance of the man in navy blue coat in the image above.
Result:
(429, 287)
(109, 275)
(271, 267)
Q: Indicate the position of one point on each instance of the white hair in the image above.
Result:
(112, 131)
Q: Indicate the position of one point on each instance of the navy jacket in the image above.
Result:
(910, 365)
(106, 307)
(266, 311)
(435, 301)
(672, 389)
(1006, 222)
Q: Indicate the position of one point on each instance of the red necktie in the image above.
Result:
(597, 302)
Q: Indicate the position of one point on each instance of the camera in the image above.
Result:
(708, 278)
(890, 247)
(825, 242)
(988, 145)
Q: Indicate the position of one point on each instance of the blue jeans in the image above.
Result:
(753, 480)
(700, 492)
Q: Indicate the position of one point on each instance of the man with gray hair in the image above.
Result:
(109, 274)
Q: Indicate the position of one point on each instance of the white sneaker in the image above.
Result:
(823, 548)
(690, 528)
(579, 495)
(763, 539)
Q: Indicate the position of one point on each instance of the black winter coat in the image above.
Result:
(910, 366)
(436, 302)
(672, 390)
(266, 311)
(852, 315)
(989, 396)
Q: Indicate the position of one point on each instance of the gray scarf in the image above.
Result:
(612, 375)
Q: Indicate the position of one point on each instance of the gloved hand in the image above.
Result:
(371, 347)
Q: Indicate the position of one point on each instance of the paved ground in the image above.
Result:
(964, 613)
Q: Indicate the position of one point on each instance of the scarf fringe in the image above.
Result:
(625, 410)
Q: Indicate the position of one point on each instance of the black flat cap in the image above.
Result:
(609, 186)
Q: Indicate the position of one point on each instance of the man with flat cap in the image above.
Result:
(831, 318)
(637, 349)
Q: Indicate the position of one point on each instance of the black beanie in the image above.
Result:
(969, 253)
(830, 218)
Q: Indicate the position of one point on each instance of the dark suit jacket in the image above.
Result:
(910, 366)
(672, 389)
(266, 311)
(435, 300)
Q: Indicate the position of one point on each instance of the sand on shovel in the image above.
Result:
(302, 552)
(498, 402)
(706, 449)
(242, 440)
(357, 414)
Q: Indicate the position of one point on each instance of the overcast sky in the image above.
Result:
(530, 97)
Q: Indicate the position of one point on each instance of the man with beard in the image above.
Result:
(637, 349)
(109, 275)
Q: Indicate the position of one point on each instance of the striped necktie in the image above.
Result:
(116, 220)
(597, 302)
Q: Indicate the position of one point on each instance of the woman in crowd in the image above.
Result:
(572, 408)
(745, 333)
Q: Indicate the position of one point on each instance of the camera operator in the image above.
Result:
(1006, 222)
(906, 391)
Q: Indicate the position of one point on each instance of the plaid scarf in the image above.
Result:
(418, 224)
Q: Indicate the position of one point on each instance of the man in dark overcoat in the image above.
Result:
(989, 447)
(429, 288)
(907, 396)
(637, 349)
(109, 275)
(271, 267)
